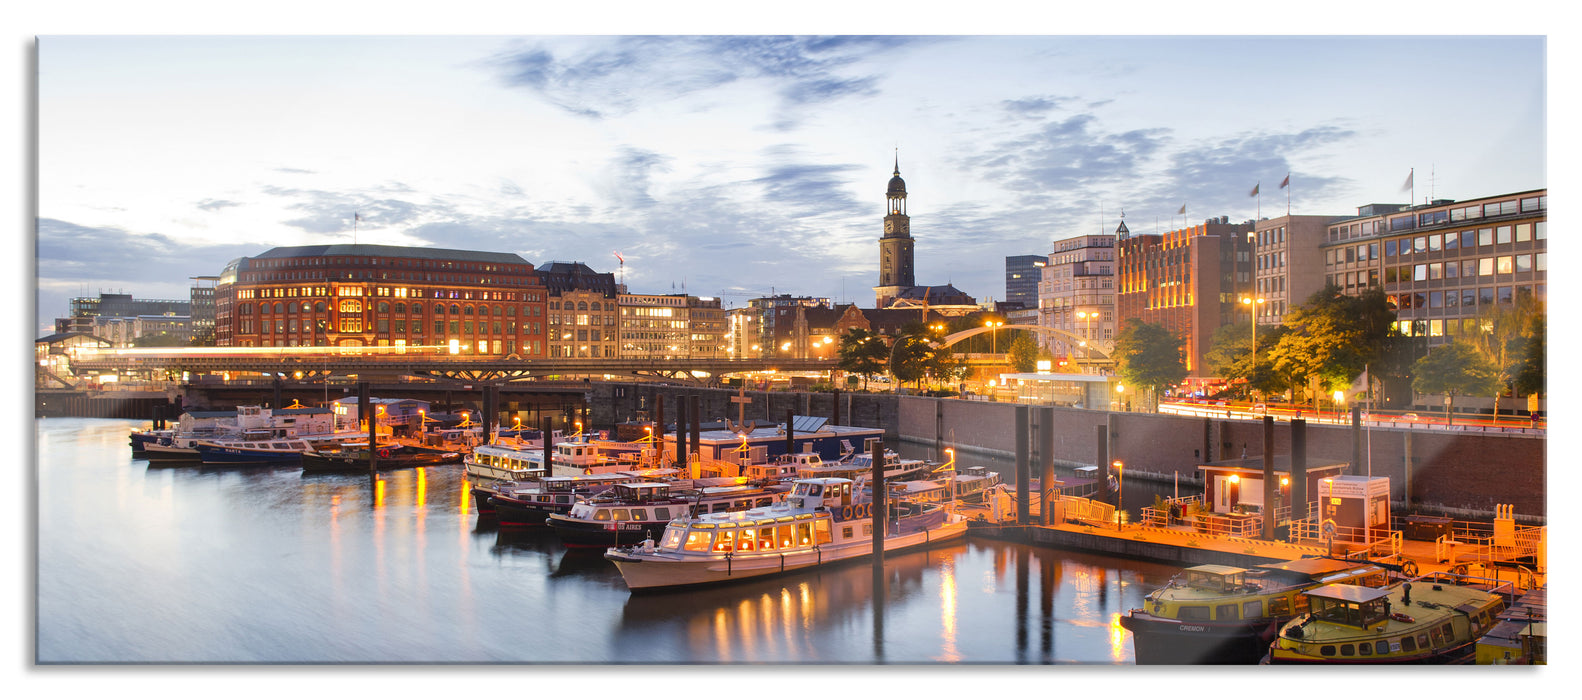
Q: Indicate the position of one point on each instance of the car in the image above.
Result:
(1409, 416)
(1260, 408)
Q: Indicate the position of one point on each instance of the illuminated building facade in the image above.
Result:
(1077, 291)
(1444, 263)
(386, 296)
(1186, 280)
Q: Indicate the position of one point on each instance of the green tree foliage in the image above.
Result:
(863, 353)
(1455, 368)
(1150, 357)
(1024, 353)
(1504, 339)
(910, 355)
(1332, 337)
(1530, 378)
(1230, 356)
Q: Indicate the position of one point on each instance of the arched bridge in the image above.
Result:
(1103, 347)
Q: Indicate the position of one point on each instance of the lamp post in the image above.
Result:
(1250, 301)
(1084, 317)
(994, 335)
(1120, 492)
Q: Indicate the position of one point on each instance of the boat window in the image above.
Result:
(1381, 647)
(1279, 607)
(783, 533)
(804, 534)
(1422, 640)
(1252, 609)
(817, 490)
(766, 538)
(867, 529)
(726, 541)
(845, 532)
(1365, 649)
(621, 514)
(1438, 636)
(1347, 650)
(697, 541)
(1193, 612)
(821, 530)
(662, 514)
(639, 514)
(747, 541)
(672, 538)
(1225, 612)
(562, 499)
(601, 514)
(1327, 650)
(1447, 631)
(722, 507)
(1408, 644)
(764, 502)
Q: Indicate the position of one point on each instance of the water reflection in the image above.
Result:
(397, 567)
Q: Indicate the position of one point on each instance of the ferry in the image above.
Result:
(630, 513)
(269, 451)
(354, 457)
(1422, 621)
(1212, 614)
(504, 461)
(821, 522)
(530, 503)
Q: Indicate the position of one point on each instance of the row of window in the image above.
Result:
(416, 309)
(1494, 235)
(1468, 298)
(1480, 267)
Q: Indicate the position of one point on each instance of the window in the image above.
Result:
(1469, 239)
(1193, 612)
(1452, 240)
(1347, 650)
(1327, 650)
(1435, 271)
(1524, 263)
(1524, 233)
(1389, 248)
(1485, 236)
(1502, 235)
(1485, 267)
(1420, 273)
(1502, 265)
(1433, 243)
(1408, 644)
(1225, 612)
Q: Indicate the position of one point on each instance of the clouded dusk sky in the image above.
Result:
(739, 166)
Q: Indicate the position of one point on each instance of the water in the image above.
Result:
(195, 564)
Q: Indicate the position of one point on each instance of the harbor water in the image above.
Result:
(268, 565)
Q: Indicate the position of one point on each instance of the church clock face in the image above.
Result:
(895, 226)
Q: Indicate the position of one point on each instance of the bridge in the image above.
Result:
(1105, 347)
(387, 363)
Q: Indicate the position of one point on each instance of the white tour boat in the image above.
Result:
(822, 521)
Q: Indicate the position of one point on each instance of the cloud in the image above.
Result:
(627, 72)
(1033, 107)
(1068, 154)
(629, 177)
(332, 212)
(217, 204)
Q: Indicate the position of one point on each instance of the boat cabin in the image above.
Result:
(1353, 606)
(1213, 577)
(639, 492)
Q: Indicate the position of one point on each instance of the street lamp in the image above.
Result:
(1254, 304)
(994, 335)
(1120, 492)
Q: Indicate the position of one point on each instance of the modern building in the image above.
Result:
(85, 312)
(1444, 263)
(467, 302)
(655, 326)
(708, 328)
(1023, 273)
(756, 332)
(1287, 264)
(202, 294)
(1186, 280)
(1077, 292)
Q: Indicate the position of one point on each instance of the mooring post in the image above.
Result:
(365, 411)
(1270, 487)
(791, 433)
(1046, 462)
(1299, 469)
(835, 410)
(681, 434)
(1101, 435)
(697, 425)
(1023, 488)
(880, 516)
(549, 445)
(1356, 439)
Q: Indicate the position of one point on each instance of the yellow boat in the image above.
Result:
(1423, 621)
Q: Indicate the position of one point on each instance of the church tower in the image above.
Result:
(895, 246)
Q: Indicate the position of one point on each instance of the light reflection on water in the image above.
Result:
(270, 565)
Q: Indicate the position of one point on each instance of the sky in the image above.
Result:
(737, 166)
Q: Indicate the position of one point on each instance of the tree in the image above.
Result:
(1230, 356)
(1530, 377)
(1150, 357)
(909, 357)
(1332, 337)
(863, 353)
(1024, 353)
(1503, 339)
(1455, 368)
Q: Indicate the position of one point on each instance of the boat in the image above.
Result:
(1427, 620)
(632, 512)
(1213, 614)
(246, 423)
(530, 503)
(973, 482)
(821, 522)
(504, 460)
(354, 457)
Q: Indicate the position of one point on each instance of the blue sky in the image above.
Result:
(740, 165)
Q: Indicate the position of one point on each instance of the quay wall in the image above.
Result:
(1455, 472)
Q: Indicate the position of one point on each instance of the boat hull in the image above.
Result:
(662, 570)
(313, 462)
(1157, 640)
(602, 534)
(509, 512)
(211, 454)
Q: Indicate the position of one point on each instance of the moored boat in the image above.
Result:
(1212, 614)
(530, 503)
(821, 522)
(632, 512)
(1423, 621)
(355, 457)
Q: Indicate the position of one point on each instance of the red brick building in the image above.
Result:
(1189, 281)
(380, 295)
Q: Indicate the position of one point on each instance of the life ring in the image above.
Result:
(1409, 568)
(384, 452)
(845, 513)
(1401, 617)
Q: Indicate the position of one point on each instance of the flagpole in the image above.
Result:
(355, 218)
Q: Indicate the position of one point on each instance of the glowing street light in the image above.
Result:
(994, 335)
(1120, 492)
(1254, 304)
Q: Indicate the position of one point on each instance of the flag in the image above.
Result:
(1286, 181)
(1183, 209)
(1408, 186)
(618, 256)
(1254, 191)
(356, 216)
